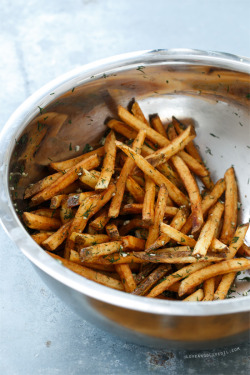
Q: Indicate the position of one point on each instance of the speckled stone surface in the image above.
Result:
(39, 41)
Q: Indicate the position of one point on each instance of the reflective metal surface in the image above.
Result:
(211, 88)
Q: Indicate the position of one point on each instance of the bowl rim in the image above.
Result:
(14, 228)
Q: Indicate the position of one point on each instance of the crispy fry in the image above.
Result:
(57, 200)
(224, 286)
(92, 252)
(122, 128)
(158, 125)
(108, 167)
(41, 236)
(75, 257)
(193, 192)
(244, 250)
(152, 279)
(101, 220)
(149, 201)
(132, 224)
(137, 112)
(63, 165)
(66, 213)
(41, 185)
(208, 287)
(133, 243)
(237, 240)
(90, 274)
(88, 239)
(208, 230)
(77, 199)
(195, 166)
(154, 174)
(57, 238)
(112, 232)
(160, 208)
(175, 277)
(177, 235)
(232, 265)
(121, 183)
(135, 190)
(47, 212)
(196, 296)
(38, 222)
(146, 270)
(131, 208)
(66, 179)
(231, 209)
(126, 276)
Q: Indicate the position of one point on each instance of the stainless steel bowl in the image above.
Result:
(212, 88)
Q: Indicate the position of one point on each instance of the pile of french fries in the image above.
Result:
(130, 215)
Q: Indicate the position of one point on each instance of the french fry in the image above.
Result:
(208, 231)
(38, 222)
(132, 224)
(154, 174)
(41, 236)
(195, 166)
(231, 265)
(122, 128)
(193, 192)
(47, 212)
(101, 220)
(231, 208)
(177, 257)
(152, 279)
(57, 238)
(66, 179)
(237, 240)
(88, 239)
(158, 125)
(137, 112)
(92, 252)
(224, 286)
(176, 235)
(126, 276)
(208, 287)
(175, 277)
(112, 232)
(244, 250)
(67, 164)
(149, 201)
(41, 185)
(196, 296)
(131, 243)
(108, 167)
(74, 257)
(135, 190)
(66, 213)
(89, 178)
(160, 208)
(57, 200)
(90, 274)
(121, 183)
(77, 199)
(131, 208)
(146, 270)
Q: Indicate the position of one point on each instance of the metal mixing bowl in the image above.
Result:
(213, 89)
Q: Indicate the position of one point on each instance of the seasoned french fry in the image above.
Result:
(66, 179)
(175, 277)
(208, 287)
(131, 208)
(193, 192)
(160, 208)
(95, 251)
(57, 200)
(154, 174)
(237, 240)
(88, 239)
(152, 279)
(149, 201)
(224, 286)
(90, 274)
(126, 276)
(173, 257)
(101, 220)
(121, 183)
(66, 213)
(75, 257)
(112, 232)
(38, 222)
(176, 235)
(208, 230)
(122, 128)
(146, 270)
(137, 112)
(57, 238)
(135, 190)
(158, 125)
(231, 265)
(41, 236)
(77, 199)
(231, 208)
(108, 167)
(244, 250)
(89, 178)
(41, 185)
(196, 296)
(130, 243)
(132, 224)
(195, 166)
(67, 164)
(47, 212)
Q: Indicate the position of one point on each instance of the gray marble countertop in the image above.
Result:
(39, 41)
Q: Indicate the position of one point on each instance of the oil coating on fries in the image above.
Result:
(122, 214)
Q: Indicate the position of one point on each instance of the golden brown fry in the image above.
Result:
(132, 224)
(63, 165)
(41, 236)
(160, 208)
(90, 274)
(177, 235)
(112, 232)
(208, 231)
(47, 212)
(131, 208)
(154, 174)
(101, 220)
(57, 200)
(193, 192)
(149, 201)
(194, 165)
(171, 256)
(89, 178)
(38, 222)
(224, 286)
(88, 239)
(92, 252)
(126, 276)
(158, 125)
(66, 213)
(244, 250)
(237, 240)
(231, 207)
(77, 199)
(146, 270)
(122, 128)
(66, 179)
(131, 243)
(152, 279)
(232, 265)
(57, 238)
(121, 183)
(137, 112)
(208, 287)
(108, 166)
(172, 211)
(74, 257)
(41, 185)
(135, 190)
(175, 277)
(196, 296)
